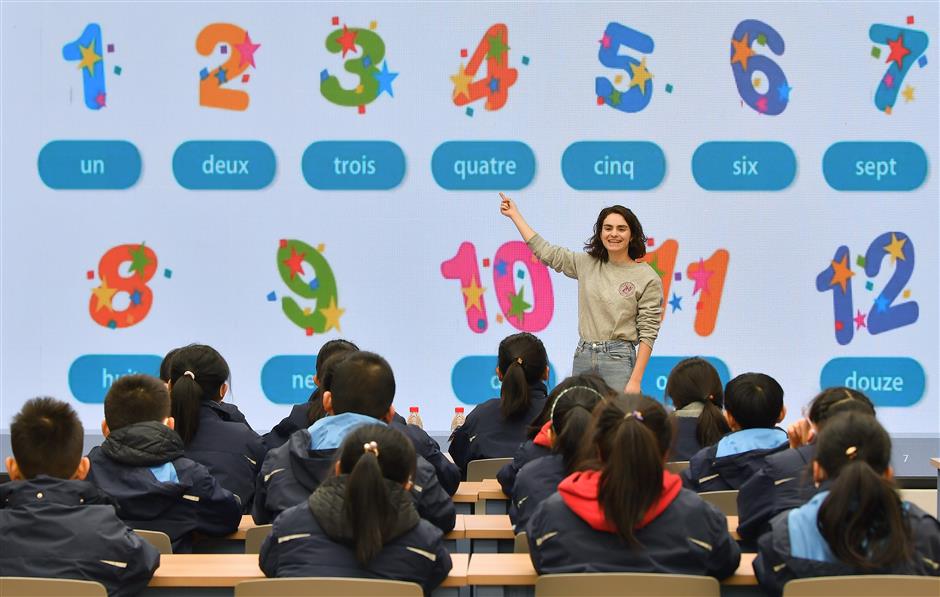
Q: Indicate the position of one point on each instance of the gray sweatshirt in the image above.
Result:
(616, 301)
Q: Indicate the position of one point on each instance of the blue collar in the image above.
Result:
(328, 433)
(759, 438)
(806, 542)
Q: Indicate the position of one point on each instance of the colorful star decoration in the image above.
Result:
(347, 40)
(385, 78)
(859, 320)
(331, 314)
(518, 305)
(896, 248)
(700, 275)
(640, 75)
(139, 260)
(908, 93)
(742, 51)
(841, 272)
(461, 82)
(675, 302)
(473, 294)
(246, 50)
(89, 57)
(898, 51)
(103, 295)
(295, 262)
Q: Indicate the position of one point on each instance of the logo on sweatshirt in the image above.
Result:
(627, 289)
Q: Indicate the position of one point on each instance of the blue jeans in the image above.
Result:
(613, 360)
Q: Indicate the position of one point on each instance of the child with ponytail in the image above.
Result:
(496, 428)
(624, 512)
(696, 393)
(362, 522)
(858, 524)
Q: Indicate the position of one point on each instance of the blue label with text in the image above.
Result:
(353, 165)
(888, 381)
(89, 164)
(474, 379)
(483, 165)
(91, 375)
(657, 374)
(288, 378)
(224, 165)
(743, 166)
(875, 166)
(613, 165)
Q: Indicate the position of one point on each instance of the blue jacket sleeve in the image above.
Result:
(447, 472)
(441, 568)
(268, 557)
(219, 509)
(769, 566)
(142, 561)
(460, 449)
(725, 555)
(432, 502)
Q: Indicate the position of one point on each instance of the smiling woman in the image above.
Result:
(619, 298)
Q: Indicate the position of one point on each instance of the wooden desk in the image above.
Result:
(733, 527)
(498, 526)
(246, 523)
(467, 492)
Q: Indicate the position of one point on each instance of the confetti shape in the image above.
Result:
(922, 61)
(888, 110)
(860, 261)
(463, 53)
(698, 306)
(373, 25)
(321, 247)
(839, 325)
(486, 262)
(869, 285)
(889, 80)
(282, 243)
(309, 331)
(168, 273)
(314, 284)
(499, 318)
(272, 296)
(521, 274)
(90, 275)
(677, 277)
(224, 49)
(481, 324)
(117, 70)
(366, 61)
(762, 39)
(618, 79)
(910, 20)
(600, 101)
(757, 82)
(110, 48)
(307, 310)
(362, 109)
(494, 84)
(135, 297)
(360, 88)
(650, 242)
(245, 78)
(469, 112)
(875, 52)
(112, 324)
(334, 21)
(907, 293)
(204, 73)
(525, 60)
(324, 75)
(669, 87)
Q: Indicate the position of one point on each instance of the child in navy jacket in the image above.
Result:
(361, 392)
(786, 480)
(141, 465)
(53, 523)
(753, 407)
(696, 393)
(496, 428)
(859, 525)
(215, 434)
(625, 512)
(361, 523)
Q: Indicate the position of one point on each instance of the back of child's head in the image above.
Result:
(833, 401)
(165, 364)
(135, 399)
(632, 435)
(521, 361)
(330, 348)
(376, 457)
(363, 383)
(330, 354)
(862, 518)
(571, 417)
(46, 437)
(590, 380)
(197, 373)
(696, 380)
(754, 400)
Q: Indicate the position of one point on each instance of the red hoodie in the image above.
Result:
(579, 492)
(541, 438)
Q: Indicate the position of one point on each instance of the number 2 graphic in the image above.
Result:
(241, 52)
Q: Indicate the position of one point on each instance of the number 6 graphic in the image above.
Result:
(745, 62)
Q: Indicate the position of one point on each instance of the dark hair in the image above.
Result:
(591, 380)
(631, 450)
(571, 419)
(636, 248)
(754, 400)
(833, 401)
(521, 361)
(363, 383)
(333, 348)
(368, 507)
(197, 373)
(165, 364)
(862, 518)
(695, 380)
(135, 399)
(46, 437)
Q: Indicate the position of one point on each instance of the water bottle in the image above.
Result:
(414, 418)
(458, 418)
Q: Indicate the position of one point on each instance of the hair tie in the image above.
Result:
(519, 361)
(851, 452)
(371, 447)
(634, 415)
(190, 374)
(551, 414)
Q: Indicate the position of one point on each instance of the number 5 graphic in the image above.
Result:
(640, 89)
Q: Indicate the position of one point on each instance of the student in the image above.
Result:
(307, 413)
(753, 407)
(786, 480)
(141, 465)
(362, 522)
(214, 434)
(496, 428)
(696, 393)
(626, 512)
(570, 419)
(859, 525)
(53, 523)
(540, 443)
(360, 393)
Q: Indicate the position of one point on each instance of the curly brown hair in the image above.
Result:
(636, 248)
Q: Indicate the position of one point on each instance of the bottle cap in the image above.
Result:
(413, 409)
(458, 409)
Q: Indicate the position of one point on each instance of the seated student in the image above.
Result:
(361, 392)
(496, 428)
(859, 525)
(753, 407)
(786, 480)
(53, 523)
(695, 390)
(539, 442)
(141, 465)
(570, 419)
(362, 522)
(214, 434)
(626, 512)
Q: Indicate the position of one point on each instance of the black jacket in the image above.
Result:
(733, 460)
(686, 443)
(295, 421)
(485, 434)
(227, 446)
(293, 471)
(526, 453)
(535, 482)
(53, 528)
(448, 475)
(785, 482)
(156, 488)
(313, 539)
(794, 548)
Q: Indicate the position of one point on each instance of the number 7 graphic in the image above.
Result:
(907, 46)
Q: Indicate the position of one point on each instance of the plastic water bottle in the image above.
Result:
(458, 418)
(414, 418)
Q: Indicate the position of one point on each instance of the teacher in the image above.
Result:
(619, 299)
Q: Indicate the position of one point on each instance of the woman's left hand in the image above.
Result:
(633, 387)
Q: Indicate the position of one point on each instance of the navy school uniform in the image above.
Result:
(794, 548)
(313, 539)
(686, 443)
(227, 446)
(535, 482)
(156, 488)
(293, 471)
(448, 475)
(485, 434)
(295, 421)
(531, 449)
(53, 528)
(680, 534)
(733, 460)
(785, 482)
